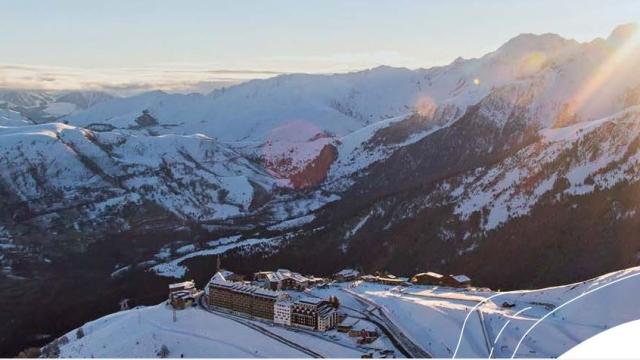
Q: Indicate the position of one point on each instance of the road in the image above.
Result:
(472, 300)
(259, 328)
(400, 340)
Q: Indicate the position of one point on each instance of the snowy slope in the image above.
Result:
(191, 176)
(12, 118)
(46, 106)
(436, 318)
(339, 104)
(573, 160)
(141, 332)
(433, 317)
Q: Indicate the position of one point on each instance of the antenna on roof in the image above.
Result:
(218, 263)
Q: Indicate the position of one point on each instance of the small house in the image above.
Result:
(427, 278)
(347, 275)
(459, 281)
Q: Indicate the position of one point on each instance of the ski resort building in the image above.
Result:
(282, 312)
(282, 279)
(182, 295)
(242, 297)
(314, 314)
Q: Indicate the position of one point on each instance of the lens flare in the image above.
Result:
(624, 45)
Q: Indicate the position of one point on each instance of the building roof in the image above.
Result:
(311, 300)
(183, 285)
(220, 281)
(461, 278)
(324, 310)
(348, 272)
(430, 274)
(282, 274)
(226, 273)
(182, 294)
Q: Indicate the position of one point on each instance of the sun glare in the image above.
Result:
(624, 45)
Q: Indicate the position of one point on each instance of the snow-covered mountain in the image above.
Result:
(45, 106)
(525, 157)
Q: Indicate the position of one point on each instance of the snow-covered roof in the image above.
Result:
(219, 280)
(461, 278)
(226, 273)
(311, 300)
(281, 274)
(433, 274)
(183, 285)
(348, 272)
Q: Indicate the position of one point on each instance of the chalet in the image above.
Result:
(364, 330)
(387, 279)
(316, 281)
(392, 280)
(427, 278)
(182, 295)
(242, 297)
(369, 278)
(459, 281)
(346, 275)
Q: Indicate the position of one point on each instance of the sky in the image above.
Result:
(122, 44)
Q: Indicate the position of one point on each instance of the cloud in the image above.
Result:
(170, 77)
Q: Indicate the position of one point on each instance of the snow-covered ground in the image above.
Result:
(553, 319)
(442, 321)
(175, 268)
(143, 331)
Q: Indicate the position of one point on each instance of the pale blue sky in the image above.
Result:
(283, 36)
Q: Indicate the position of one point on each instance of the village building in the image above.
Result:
(346, 275)
(315, 281)
(460, 281)
(242, 297)
(281, 279)
(393, 280)
(432, 278)
(347, 324)
(364, 330)
(182, 295)
(427, 278)
(369, 278)
(314, 314)
(387, 279)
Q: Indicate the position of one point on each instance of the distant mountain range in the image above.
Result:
(518, 168)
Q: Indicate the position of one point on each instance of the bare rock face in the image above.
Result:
(146, 119)
(315, 171)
